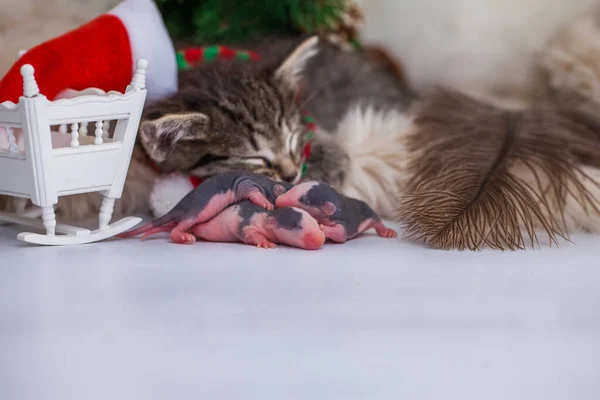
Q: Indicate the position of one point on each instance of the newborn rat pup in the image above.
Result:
(210, 198)
(248, 223)
(341, 217)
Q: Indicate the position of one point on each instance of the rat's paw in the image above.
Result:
(266, 245)
(261, 201)
(337, 232)
(259, 240)
(182, 237)
(386, 232)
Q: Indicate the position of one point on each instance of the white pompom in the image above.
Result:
(168, 191)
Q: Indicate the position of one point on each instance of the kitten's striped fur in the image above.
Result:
(230, 115)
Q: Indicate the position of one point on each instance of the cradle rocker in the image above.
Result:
(69, 146)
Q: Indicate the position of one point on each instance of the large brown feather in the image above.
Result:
(467, 168)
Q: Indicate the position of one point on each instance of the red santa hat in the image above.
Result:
(102, 54)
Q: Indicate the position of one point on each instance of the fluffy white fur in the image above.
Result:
(374, 141)
(168, 191)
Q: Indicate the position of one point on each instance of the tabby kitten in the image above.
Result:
(230, 115)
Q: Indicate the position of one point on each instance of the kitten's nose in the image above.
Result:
(288, 170)
(289, 177)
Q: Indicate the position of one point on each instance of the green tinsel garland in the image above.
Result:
(231, 21)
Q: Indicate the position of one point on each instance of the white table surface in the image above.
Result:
(370, 319)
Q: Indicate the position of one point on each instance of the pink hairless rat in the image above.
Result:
(341, 217)
(248, 223)
(210, 198)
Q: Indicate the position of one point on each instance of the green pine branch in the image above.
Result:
(229, 21)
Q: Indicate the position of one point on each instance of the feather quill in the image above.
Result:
(482, 177)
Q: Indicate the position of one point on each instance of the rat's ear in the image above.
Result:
(291, 68)
(329, 209)
(270, 223)
(158, 136)
(278, 190)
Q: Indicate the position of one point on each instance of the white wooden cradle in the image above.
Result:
(69, 146)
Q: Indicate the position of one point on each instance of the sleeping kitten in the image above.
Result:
(229, 115)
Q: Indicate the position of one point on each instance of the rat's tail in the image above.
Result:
(165, 228)
(166, 219)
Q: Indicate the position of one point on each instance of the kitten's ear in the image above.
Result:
(160, 135)
(291, 68)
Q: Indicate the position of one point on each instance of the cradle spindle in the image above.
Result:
(75, 135)
(139, 78)
(12, 144)
(98, 133)
(49, 220)
(30, 86)
(83, 129)
(106, 211)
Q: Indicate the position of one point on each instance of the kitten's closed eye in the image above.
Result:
(209, 159)
(259, 161)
